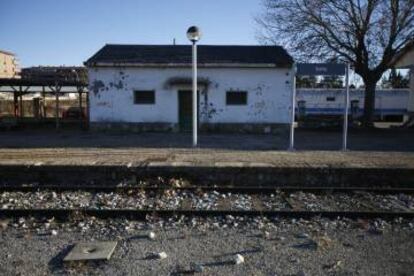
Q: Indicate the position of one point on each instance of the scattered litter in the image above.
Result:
(151, 236)
(239, 259)
(160, 256)
(293, 259)
(54, 232)
(310, 244)
(334, 266)
(301, 273)
(324, 242)
(4, 224)
(302, 236)
(375, 231)
(197, 268)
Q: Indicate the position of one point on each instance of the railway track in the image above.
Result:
(295, 207)
(65, 214)
(221, 189)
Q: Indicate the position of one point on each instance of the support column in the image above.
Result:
(21, 102)
(88, 112)
(57, 109)
(80, 108)
(15, 104)
(292, 111)
(57, 91)
(44, 102)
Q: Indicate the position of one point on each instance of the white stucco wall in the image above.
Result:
(407, 62)
(112, 100)
(411, 98)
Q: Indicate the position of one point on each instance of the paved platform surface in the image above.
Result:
(379, 148)
(205, 157)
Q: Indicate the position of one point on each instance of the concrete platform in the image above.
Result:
(91, 166)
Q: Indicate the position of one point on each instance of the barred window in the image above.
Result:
(144, 97)
(236, 98)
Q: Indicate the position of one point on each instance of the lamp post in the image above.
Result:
(292, 111)
(346, 108)
(194, 34)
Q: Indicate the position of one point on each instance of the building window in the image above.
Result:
(236, 98)
(330, 99)
(144, 97)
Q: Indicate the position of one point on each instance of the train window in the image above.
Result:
(330, 99)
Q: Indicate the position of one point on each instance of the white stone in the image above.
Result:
(238, 259)
(151, 236)
(54, 232)
(161, 255)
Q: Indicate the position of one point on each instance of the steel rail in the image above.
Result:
(222, 189)
(142, 214)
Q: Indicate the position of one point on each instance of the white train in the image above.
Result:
(390, 104)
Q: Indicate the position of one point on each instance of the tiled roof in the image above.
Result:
(178, 55)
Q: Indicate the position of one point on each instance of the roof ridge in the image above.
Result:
(199, 45)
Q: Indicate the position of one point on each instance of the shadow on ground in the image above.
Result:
(368, 140)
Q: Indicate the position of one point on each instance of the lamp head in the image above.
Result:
(193, 34)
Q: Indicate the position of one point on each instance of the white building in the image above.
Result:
(148, 88)
(9, 67)
(406, 60)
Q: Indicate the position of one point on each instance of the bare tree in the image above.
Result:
(368, 34)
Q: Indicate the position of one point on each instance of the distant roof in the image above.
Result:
(7, 52)
(405, 59)
(39, 82)
(180, 56)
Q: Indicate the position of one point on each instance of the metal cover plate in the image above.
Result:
(91, 251)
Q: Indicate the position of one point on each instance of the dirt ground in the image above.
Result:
(281, 247)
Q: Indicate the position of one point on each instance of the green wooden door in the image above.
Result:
(185, 110)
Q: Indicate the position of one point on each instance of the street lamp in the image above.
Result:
(194, 34)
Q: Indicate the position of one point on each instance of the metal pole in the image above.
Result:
(195, 99)
(292, 115)
(80, 108)
(346, 108)
(57, 108)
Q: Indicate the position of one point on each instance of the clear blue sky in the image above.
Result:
(67, 32)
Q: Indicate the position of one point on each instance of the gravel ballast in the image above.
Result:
(212, 200)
